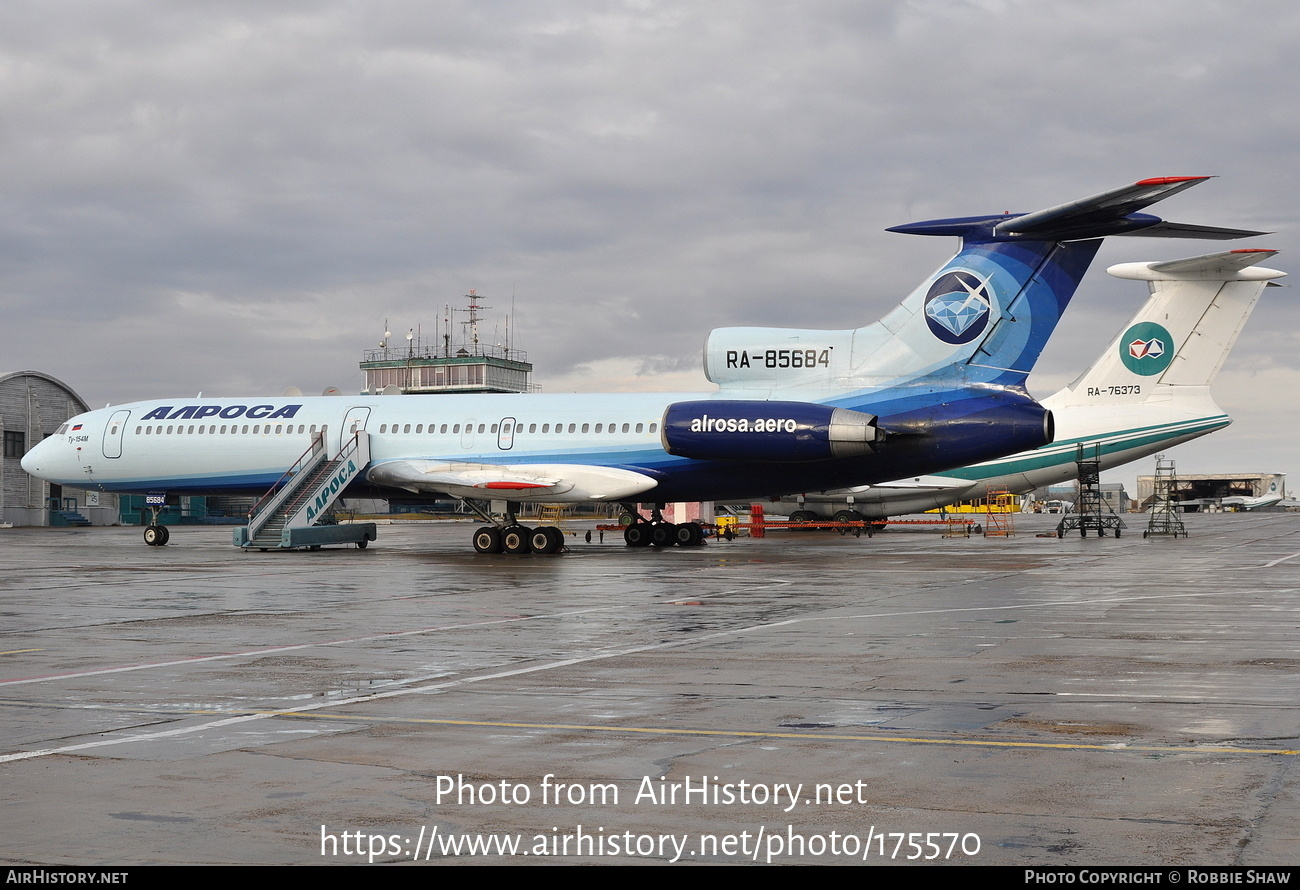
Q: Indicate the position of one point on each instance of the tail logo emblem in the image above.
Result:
(1152, 348)
(1145, 348)
(957, 307)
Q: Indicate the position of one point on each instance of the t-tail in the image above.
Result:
(1151, 385)
(983, 318)
(949, 364)
(1148, 391)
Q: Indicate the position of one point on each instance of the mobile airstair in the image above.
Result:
(287, 516)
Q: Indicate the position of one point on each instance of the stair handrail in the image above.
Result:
(349, 450)
(315, 448)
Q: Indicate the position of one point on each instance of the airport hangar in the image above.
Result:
(32, 406)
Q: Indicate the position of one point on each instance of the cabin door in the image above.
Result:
(353, 422)
(113, 433)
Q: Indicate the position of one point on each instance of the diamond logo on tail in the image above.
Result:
(957, 308)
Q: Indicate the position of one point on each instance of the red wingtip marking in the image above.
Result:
(1253, 250)
(1167, 180)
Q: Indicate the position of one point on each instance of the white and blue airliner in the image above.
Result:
(938, 383)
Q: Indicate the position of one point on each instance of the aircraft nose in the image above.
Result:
(41, 461)
(31, 462)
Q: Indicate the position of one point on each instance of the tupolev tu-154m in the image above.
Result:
(937, 383)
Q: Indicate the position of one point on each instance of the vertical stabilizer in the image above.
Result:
(1183, 334)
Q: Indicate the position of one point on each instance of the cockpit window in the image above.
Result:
(61, 430)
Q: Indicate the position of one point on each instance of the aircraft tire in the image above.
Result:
(514, 540)
(663, 534)
(540, 540)
(803, 516)
(637, 535)
(557, 539)
(848, 516)
(487, 540)
(689, 534)
(153, 536)
(166, 535)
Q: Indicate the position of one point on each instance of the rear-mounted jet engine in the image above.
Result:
(719, 429)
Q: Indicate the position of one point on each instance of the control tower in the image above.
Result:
(448, 363)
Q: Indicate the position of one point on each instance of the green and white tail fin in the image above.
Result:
(1177, 341)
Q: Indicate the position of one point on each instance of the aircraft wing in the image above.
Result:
(924, 483)
(513, 482)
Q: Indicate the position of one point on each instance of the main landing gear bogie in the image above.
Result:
(518, 540)
(663, 534)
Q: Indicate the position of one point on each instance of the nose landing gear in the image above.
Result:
(156, 535)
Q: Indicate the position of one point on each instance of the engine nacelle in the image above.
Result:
(770, 431)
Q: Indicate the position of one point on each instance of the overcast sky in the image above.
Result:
(232, 197)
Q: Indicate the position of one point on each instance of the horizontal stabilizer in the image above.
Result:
(1187, 230)
(1113, 212)
(1106, 209)
(1230, 265)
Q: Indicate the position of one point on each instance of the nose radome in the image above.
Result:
(42, 459)
(31, 461)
